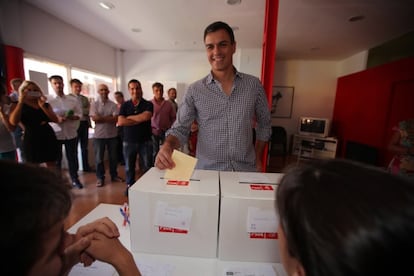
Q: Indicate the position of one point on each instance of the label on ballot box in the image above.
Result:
(175, 219)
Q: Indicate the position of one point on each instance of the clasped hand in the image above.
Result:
(93, 241)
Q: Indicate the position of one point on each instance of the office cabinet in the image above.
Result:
(313, 147)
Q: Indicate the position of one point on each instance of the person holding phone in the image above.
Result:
(32, 110)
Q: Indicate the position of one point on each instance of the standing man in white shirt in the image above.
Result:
(68, 111)
(104, 113)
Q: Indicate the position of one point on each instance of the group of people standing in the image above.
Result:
(126, 129)
(51, 123)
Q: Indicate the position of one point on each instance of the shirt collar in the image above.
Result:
(210, 77)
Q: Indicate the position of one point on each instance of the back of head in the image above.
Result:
(34, 199)
(344, 218)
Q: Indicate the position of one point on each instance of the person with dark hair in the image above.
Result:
(162, 118)
(119, 99)
(35, 113)
(172, 96)
(341, 218)
(135, 118)
(223, 103)
(105, 115)
(37, 203)
(69, 112)
(84, 122)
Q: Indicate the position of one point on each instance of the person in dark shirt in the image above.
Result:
(135, 118)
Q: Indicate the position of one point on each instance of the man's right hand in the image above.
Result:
(163, 160)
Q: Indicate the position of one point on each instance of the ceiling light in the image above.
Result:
(107, 5)
(233, 2)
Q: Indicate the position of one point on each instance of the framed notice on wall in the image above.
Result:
(282, 101)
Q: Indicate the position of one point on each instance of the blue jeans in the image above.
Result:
(130, 154)
(9, 155)
(99, 147)
(157, 141)
(71, 150)
(18, 138)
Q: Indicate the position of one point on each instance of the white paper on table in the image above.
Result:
(151, 268)
(261, 221)
(255, 178)
(97, 268)
(263, 270)
(174, 217)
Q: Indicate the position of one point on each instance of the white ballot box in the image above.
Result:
(248, 221)
(175, 217)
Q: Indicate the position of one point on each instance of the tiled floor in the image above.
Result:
(86, 199)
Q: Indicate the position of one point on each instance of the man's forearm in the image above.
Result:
(260, 145)
(172, 142)
(142, 117)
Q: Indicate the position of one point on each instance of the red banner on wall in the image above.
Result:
(14, 63)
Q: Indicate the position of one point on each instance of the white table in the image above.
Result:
(154, 265)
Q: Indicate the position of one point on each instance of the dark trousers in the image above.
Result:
(144, 152)
(100, 145)
(157, 141)
(71, 150)
(83, 136)
(120, 149)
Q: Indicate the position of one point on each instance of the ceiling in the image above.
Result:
(307, 29)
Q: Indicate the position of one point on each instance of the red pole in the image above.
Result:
(269, 55)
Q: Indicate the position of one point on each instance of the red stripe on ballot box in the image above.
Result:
(257, 187)
(266, 236)
(178, 182)
(171, 230)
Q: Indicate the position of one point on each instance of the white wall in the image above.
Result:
(181, 67)
(250, 61)
(352, 64)
(162, 66)
(314, 85)
(43, 35)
